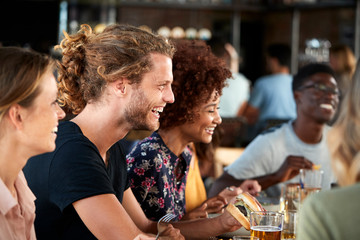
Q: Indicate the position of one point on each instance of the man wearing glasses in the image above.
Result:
(278, 154)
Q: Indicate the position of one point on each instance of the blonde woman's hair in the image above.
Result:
(21, 72)
(91, 60)
(344, 138)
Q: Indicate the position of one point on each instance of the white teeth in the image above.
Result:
(159, 109)
(55, 129)
(326, 106)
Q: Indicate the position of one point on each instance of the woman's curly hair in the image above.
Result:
(91, 60)
(197, 73)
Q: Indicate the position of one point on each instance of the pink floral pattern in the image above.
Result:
(158, 177)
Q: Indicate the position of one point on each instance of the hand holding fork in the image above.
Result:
(164, 219)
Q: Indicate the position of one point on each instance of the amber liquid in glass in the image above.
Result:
(287, 235)
(266, 232)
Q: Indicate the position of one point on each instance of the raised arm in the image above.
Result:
(289, 169)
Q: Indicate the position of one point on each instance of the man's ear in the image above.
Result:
(120, 86)
(15, 116)
(297, 96)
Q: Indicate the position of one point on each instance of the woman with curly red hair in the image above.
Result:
(158, 165)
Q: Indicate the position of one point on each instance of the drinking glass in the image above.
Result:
(290, 222)
(310, 182)
(245, 238)
(266, 225)
(289, 197)
(311, 178)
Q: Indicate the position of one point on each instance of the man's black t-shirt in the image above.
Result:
(75, 170)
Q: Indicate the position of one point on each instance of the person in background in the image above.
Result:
(29, 115)
(237, 91)
(343, 62)
(113, 81)
(333, 214)
(158, 166)
(278, 154)
(271, 98)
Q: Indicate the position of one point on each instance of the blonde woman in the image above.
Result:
(29, 116)
(334, 214)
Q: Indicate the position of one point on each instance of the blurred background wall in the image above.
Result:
(250, 25)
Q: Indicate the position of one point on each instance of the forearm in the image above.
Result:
(105, 217)
(266, 181)
(225, 180)
(134, 210)
(200, 228)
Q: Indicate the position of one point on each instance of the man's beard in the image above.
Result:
(136, 113)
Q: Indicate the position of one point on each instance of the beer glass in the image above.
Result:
(290, 222)
(289, 197)
(266, 225)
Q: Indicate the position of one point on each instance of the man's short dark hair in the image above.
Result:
(308, 70)
(282, 52)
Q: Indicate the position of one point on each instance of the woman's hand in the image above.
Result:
(229, 223)
(230, 193)
(169, 232)
(251, 186)
(211, 205)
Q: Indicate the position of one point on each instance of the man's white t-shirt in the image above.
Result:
(267, 152)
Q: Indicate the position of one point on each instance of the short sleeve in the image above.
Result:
(254, 161)
(77, 171)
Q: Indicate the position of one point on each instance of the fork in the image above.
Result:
(165, 219)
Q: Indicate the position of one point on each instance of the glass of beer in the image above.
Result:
(290, 222)
(289, 197)
(266, 225)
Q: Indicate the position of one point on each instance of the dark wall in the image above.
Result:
(29, 24)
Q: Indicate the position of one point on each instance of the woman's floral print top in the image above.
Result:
(158, 177)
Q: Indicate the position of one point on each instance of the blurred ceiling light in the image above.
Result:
(164, 31)
(177, 32)
(99, 28)
(204, 34)
(145, 28)
(191, 33)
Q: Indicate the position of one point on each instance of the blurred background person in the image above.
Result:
(237, 90)
(29, 115)
(334, 214)
(343, 62)
(271, 98)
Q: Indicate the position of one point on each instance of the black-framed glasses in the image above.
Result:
(321, 88)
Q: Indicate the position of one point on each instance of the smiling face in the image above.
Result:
(318, 98)
(41, 118)
(149, 97)
(208, 118)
